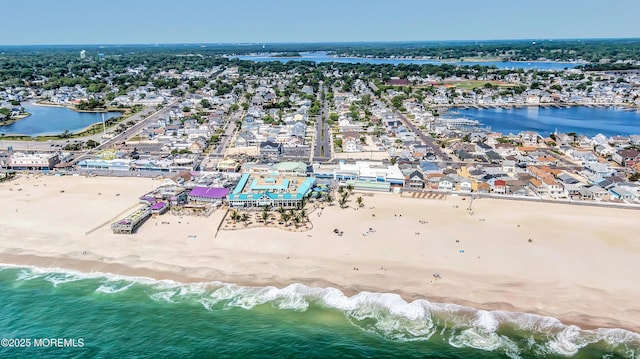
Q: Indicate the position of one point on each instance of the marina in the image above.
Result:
(588, 121)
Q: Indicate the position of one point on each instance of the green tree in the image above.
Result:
(365, 100)
(91, 144)
(342, 201)
(234, 216)
(329, 198)
(265, 214)
(244, 218)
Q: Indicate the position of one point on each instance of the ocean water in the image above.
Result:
(109, 316)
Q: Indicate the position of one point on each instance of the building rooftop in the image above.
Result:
(209, 192)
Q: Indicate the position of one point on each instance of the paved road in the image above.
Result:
(427, 140)
(56, 145)
(225, 140)
(322, 148)
(141, 119)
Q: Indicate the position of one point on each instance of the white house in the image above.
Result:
(445, 184)
(350, 146)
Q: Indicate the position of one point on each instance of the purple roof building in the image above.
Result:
(208, 194)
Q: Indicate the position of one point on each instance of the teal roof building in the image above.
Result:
(257, 191)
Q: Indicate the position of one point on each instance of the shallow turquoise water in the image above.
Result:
(121, 317)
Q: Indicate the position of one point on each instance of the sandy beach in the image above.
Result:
(575, 263)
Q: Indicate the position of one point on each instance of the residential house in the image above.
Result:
(600, 168)
(508, 166)
(529, 138)
(536, 186)
(576, 190)
(584, 141)
(482, 148)
(519, 191)
(553, 188)
(245, 139)
(270, 149)
(350, 145)
(500, 186)
(563, 139)
(465, 185)
(627, 158)
(604, 150)
(619, 140)
(415, 180)
(428, 167)
(446, 184)
(482, 187)
(598, 193)
(621, 193)
(547, 160)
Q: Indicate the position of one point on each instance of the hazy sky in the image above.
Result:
(213, 21)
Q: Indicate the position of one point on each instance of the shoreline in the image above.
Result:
(14, 120)
(623, 106)
(453, 60)
(94, 266)
(579, 267)
(73, 108)
(57, 135)
(544, 105)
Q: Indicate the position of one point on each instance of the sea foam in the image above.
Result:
(384, 314)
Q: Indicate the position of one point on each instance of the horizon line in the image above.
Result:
(319, 42)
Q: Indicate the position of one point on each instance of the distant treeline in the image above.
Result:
(588, 50)
(556, 50)
(609, 67)
(121, 69)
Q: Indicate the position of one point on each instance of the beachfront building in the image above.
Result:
(169, 192)
(287, 168)
(32, 161)
(361, 171)
(415, 180)
(259, 190)
(130, 223)
(208, 194)
(159, 208)
(164, 165)
(111, 165)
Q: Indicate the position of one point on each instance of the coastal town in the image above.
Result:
(265, 179)
(214, 127)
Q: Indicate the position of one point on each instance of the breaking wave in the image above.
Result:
(383, 314)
